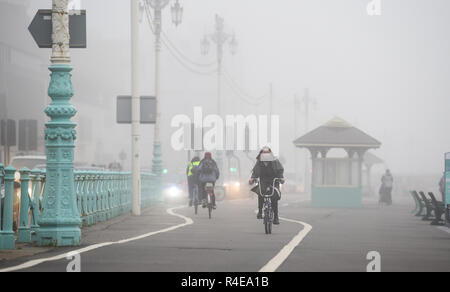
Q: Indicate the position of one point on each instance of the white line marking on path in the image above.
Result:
(444, 228)
(286, 251)
(32, 263)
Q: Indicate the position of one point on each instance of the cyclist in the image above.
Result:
(267, 168)
(191, 172)
(207, 172)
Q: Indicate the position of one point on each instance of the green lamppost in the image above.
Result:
(60, 220)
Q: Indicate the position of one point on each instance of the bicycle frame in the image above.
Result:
(268, 212)
(275, 180)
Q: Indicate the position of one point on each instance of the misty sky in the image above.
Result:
(389, 75)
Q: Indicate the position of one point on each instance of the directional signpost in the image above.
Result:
(148, 109)
(41, 29)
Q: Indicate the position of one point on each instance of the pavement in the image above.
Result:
(170, 239)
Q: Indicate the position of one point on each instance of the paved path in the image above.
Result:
(309, 239)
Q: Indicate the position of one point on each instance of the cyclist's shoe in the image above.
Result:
(259, 215)
(276, 221)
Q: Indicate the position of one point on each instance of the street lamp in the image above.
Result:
(233, 45)
(60, 221)
(177, 14)
(205, 46)
(220, 38)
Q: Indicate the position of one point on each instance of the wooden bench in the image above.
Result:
(438, 210)
(428, 206)
(420, 205)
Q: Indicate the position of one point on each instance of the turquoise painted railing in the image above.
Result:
(100, 196)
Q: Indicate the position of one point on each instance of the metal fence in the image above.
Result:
(100, 196)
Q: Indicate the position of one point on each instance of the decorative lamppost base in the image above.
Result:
(58, 236)
(60, 219)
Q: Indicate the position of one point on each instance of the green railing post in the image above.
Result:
(121, 182)
(102, 198)
(35, 202)
(24, 233)
(110, 198)
(7, 234)
(113, 195)
(78, 191)
(99, 197)
(91, 197)
(84, 200)
(1, 207)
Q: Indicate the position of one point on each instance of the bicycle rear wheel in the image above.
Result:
(270, 221)
(209, 205)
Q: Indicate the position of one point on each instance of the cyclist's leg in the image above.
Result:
(191, 190)
(260, 207)
(214, 195)
(275, 200)
(202, 193)
(195, 197)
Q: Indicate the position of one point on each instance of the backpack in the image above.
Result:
(208, 166)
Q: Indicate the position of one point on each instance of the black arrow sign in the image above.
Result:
(41, 29)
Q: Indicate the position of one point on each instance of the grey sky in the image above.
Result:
(388, 75)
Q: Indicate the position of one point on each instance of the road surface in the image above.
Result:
(171, 239)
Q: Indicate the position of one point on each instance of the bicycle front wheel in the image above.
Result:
(266, 221)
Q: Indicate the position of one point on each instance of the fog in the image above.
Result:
(387, 75)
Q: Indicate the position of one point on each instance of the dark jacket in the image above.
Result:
(267, 171)
(203, 175)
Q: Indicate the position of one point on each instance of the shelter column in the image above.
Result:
(350, 153)
(314, 154)
(361, 153)
(323, 153)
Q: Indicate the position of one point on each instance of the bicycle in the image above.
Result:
(268, 212)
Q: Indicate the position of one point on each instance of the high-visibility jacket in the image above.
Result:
(191, 166)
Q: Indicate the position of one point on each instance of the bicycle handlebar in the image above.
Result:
(258, 180)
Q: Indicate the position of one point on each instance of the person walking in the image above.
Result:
(387, 183)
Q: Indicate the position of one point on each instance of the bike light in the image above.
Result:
(173, 191)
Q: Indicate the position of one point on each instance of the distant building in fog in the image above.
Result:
(24, 81)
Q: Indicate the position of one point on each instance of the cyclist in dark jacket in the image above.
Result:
(207, 172)
(267, 168)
